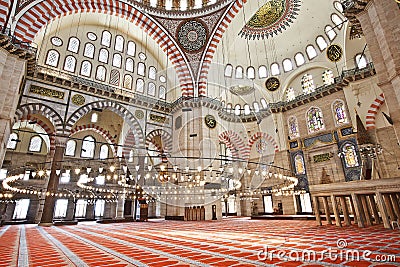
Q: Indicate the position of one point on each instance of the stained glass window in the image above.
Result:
(128, 81)
(73, 44)
(287, 65)
(311, 52)
(106, 38)
(327, 77)
(151, 90)
(119, 43)
(262, 72)
(290, 95)
(361, 61)
(129, 64)
(131, 48)
(337, 20)
(86, 68)
(321, 43)
(141, 68)
(251, 73)
(299, 164)
(350, 156)
(140, 85)
(299, 58)
(101, 73)
(114, 77)
(330, 32)
(162, 92)
(52, 58)
(239, 72)
(228, 70)
(315, 120)
(275, 69)
(103, 55)
(307, 83)
(340, 112)
(69, 64)
(117, 60)
(103, 152)
(89, 50)
(293, 127)
(152, 72)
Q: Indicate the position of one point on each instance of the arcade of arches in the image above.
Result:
(136, 110)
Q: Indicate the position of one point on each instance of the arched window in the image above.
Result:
(338, 6)
(151, 90)
(117, 60)
(321, 43)
(287, 65)
(337, 20)
(52, 58)
(307, 83)
(70, 63)
(299, 58)
(70, 148)
(162, 92)
(168, 4)
(311, 52)
(183, 5)
(237, 110)
(198, 3)
(129, 65)
(88, 147)
(262, 72)
(106, 38)
(103, 152)
(275, 69)
(330, 32)
(256, 107)
(103, 55)
(264, 103)
(128, 80)
(239, 72)
(94, 118)
(228, 70)
(350, 156)
(86, 68)
(114, 77)
(140, 85)
(152, 72)
(101, 73)
(361, 61)
(229, 107)
(315, 120)
(299, 164)
(131, 49)
(293, 127)
(99, 207)
(141, 69)
(246, 109)
(89, 50)
(290, 95)
(251, 73)
(73, 45)
(327, 77)
(119, 43)
(12, 141)
(35, 145)
(340, 112)
(153, 3)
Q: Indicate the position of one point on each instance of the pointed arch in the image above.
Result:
(48, 129)
(116, 108)
(35, 16)
(259, 135)
(233, 141)
(373, 110)
(166, 140)
(35, 108)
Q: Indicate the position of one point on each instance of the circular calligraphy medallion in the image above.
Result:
(210, 121)
(272, 84)
(334, 53)
(78, 100)
(192, 35)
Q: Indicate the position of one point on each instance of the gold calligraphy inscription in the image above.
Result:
(46, 92)
(322, 157)
(334, 53)
(158, 118)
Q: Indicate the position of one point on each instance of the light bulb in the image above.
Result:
(101, 169)
(77, 170)
(112, 168)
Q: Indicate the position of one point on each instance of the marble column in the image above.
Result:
(327, 212)
(336, 211)
(52, 186)
(316, 210)
(358, 210)
(374, 209)
(345, 210)
(382, 210)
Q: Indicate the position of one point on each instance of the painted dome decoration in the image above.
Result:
(273, 17)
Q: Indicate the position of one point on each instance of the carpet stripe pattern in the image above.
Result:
(230, 242)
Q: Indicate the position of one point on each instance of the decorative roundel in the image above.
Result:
(192, 35)
(56, 41)
(78, 100)
(334, 53)
(272, 84)
(210, 121)
(91, 36)
(139, 114)
(261, 146)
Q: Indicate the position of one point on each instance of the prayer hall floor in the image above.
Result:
(230, 242)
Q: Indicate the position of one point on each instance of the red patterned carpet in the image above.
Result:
(231, 242)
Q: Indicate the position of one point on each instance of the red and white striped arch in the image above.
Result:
(4, 9)
(49, 130)
(97, 129)
(373, 110)
(233, 141)
(129, 144)
(212, 47)
(34, 17)
(257, 136)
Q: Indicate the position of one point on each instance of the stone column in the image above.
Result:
(52, 186)
(383, 210)
(327, 212)
(374, 209)
(343, 203)
(358, 210)
(316, 211)
(367, 214)
(336, 211)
